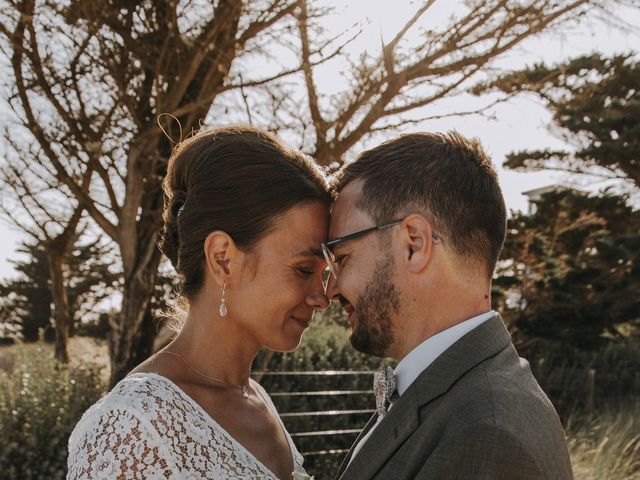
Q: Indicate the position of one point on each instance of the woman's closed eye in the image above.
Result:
(306, 270)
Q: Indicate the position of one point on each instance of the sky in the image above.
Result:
(522, 123)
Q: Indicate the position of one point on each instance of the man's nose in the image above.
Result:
(332, 290)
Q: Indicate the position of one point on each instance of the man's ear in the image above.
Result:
(417, 244)
(219, 251)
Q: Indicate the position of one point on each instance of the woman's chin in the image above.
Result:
(288, 344)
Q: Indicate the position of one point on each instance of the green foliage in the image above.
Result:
(571, 270)
(40, 404)
(595, 101)
(563, 373)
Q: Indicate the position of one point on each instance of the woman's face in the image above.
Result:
(281, 284)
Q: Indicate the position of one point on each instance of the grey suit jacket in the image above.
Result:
(475, 413)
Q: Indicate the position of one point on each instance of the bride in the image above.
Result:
(244, 219)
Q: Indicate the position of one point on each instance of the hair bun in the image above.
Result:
(170, 242)
(177, 203)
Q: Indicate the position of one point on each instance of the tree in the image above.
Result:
(385, 86)
(571, 270)
(89, 80)
(46, 214)
(88, 83)
(27, 299)
(595, 103)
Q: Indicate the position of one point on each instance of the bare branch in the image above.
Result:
(463, 113)
(319, 122)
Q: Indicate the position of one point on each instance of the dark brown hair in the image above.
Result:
(236, 179)
(446, 177)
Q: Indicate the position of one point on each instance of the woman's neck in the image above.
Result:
(215, 347)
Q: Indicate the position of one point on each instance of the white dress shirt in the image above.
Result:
(418, 359)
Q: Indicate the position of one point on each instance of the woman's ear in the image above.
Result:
(417, 244)
(219, 250)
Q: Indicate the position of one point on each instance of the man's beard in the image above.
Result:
(372, 327)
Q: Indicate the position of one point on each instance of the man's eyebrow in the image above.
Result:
(338, 247)
(311, 252)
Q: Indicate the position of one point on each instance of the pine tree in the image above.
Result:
(571, 270)
(595, 101)
(25, 300)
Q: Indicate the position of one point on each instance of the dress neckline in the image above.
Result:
(215, 424)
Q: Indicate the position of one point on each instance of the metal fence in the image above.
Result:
(323, 411)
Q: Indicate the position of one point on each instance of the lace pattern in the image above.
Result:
(148, 428)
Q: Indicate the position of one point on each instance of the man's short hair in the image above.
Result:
(444, 176)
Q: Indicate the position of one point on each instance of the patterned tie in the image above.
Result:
(384, 388)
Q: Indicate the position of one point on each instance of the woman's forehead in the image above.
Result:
(301, 230)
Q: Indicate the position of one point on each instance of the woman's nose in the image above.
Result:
(318, 300)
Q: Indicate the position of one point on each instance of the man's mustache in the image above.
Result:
(346, 304)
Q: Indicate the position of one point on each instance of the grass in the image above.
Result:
(606, 444)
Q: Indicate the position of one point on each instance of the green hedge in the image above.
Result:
(563, 373)
(40, 404)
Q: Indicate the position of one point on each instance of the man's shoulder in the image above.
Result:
(496, 387)
(497, 398)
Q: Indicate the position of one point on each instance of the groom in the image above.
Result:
(416, 230)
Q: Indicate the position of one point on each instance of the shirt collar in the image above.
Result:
(418, 359)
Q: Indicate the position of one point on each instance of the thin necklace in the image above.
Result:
(245, 391)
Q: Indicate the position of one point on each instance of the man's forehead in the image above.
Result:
(346, 216)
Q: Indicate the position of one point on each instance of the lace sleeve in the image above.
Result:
(117, 444)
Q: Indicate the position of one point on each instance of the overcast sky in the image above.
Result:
(522, 123)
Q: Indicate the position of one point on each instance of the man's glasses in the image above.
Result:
(330, 258)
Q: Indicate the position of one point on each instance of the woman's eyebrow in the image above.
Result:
(311, 252)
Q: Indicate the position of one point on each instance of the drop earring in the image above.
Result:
(223, 304)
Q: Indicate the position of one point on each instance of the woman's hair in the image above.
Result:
(237, 180)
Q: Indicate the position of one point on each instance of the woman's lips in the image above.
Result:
(301, 321)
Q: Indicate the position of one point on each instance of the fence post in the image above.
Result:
(591, 383)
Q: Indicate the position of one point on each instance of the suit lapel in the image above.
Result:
(400, 422)
(403, 419)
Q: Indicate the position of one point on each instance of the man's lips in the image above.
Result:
(348, 308)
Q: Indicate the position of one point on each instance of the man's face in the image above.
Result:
(365, 285)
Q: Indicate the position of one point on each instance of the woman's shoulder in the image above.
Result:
(138, 388)
(144, 392)
(120, 429)
(142, 396)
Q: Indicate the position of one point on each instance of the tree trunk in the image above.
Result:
(138, 289)
(143, 340)
(60, 307)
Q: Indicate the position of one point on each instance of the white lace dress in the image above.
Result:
(148, 428)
